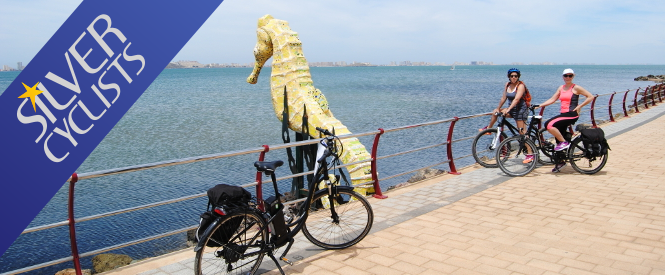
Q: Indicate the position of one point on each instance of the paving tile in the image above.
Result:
(525, 269)
(384, 270)
(546, 265)
(441, 267)
(577, 264)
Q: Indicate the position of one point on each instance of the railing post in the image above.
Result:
(375, 173)
(653, 100)
(259, 179)
(72, 224)
(645, 97)
(542, 110)
(593, 118)
(610, 107)
(625, 111)
(449, 141)
(660, 91)
(637, 109)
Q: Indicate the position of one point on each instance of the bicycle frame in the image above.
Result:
(321, 174)
(533, 130)
(499, 129)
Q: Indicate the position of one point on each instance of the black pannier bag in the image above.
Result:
(595, 144)
(231, 197)
(228, 195)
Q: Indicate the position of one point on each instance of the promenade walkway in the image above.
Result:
(483, 222)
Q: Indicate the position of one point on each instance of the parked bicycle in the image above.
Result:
(512, 151)
(485, 143)
(334, 217)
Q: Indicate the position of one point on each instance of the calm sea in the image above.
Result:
(192, 112)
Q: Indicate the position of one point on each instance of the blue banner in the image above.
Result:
(76, 89)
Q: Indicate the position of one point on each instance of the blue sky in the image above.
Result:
(585, 31)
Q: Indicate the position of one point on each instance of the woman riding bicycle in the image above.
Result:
(517, 105)
(569, 94)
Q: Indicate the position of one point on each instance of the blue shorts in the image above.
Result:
(519, 112)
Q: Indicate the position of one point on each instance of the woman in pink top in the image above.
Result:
(569, 94)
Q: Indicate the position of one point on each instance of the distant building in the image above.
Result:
(361, 64)
(6, 68)
(190, 64)
(481, 63)
(19, 66)
(196, 64)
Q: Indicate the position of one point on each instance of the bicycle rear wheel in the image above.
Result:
(353, 222)
(511, 154)
(581, 163)
(482, 149)
(234, 246)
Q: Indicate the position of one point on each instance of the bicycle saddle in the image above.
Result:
(263, 166)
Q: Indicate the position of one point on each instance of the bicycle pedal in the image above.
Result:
(284, 259)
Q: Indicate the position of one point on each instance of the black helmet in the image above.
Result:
(514, 70)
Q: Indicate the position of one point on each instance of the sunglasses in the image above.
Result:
(568, 75)
(513, 75)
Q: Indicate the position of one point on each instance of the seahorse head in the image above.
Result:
(263, 49)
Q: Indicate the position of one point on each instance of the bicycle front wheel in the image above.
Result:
(546, 148)
(512, 156)
(484, 145)
(346, 226)
(581, 163)
(234, 246)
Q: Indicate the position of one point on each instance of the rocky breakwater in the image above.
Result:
(654, 78)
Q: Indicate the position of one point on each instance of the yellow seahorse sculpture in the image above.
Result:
(289, 68)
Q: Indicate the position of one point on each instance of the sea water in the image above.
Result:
(193, 112)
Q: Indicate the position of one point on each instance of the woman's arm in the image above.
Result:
(581, 91)
(501, 102)
(518, 96)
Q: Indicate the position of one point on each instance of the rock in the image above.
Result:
(655, 78)
(71, 271)
(191, 237)
(110, 261)
(425, 174)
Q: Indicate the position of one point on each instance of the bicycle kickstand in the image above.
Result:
(272, 256)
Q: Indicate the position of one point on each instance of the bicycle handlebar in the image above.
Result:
(324, 131)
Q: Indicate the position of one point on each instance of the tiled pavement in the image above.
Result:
(483, 222)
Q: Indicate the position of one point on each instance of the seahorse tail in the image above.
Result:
(354, 151)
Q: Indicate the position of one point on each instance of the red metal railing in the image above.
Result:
(649, 94)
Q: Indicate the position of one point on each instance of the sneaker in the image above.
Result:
(482, 129)
(557, 168)
(562, 145)
(528, 159)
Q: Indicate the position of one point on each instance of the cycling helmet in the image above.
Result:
(514, 70)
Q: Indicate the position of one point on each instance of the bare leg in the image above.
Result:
(555, 132)
(492, 121)
(522, 128)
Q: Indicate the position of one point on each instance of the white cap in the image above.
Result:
(568, 71)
